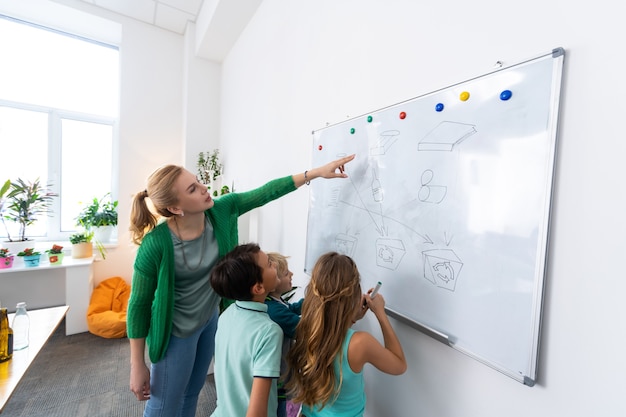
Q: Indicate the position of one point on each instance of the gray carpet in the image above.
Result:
(84, 375)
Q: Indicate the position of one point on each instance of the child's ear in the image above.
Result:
(258, 289)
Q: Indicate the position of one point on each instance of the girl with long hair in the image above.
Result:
(327, 359)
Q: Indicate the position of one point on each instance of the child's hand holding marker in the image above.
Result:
(371, 294)
(374, 301)
(365, 303)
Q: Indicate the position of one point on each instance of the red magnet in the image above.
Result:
(319, 147)
(402, 115)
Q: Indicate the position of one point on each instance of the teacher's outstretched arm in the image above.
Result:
(334, 169)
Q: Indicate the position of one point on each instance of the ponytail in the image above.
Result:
(162, 190)
(141, 218)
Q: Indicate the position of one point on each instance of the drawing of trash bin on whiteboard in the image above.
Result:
(442, 267)
(389, 253)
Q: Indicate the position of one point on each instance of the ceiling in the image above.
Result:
(171, 15)
(218, 22)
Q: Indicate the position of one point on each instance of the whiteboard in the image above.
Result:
(448, 205)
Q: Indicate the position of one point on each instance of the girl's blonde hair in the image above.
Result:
(162, 192)
(330, 303)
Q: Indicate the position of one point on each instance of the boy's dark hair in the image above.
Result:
(237, 272)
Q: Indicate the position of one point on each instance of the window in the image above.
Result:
(59, 96)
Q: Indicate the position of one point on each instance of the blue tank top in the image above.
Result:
(351, 399)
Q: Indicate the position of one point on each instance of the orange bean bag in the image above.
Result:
(106, 315)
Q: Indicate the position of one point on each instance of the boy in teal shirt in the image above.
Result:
(248, 343)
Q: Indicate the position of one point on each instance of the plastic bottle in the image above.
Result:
(4, 335)
(21, 327)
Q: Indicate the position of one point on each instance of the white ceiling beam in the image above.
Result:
(219, 24)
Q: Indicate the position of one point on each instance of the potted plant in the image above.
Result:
(55, 254)
(100, 216)
(31, 257)
(82, 246)
(210, 172)
(6, 258)
(209, 166)
(25, 201)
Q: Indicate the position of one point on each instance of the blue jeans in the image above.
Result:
(176, 380)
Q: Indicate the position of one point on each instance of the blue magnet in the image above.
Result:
(369, 119)
(352, 131)
(505, 95)
(439, 107)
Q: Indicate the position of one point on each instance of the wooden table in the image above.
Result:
(43, 323)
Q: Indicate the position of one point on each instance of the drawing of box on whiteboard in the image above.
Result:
(445, 136)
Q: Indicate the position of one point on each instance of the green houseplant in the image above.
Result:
(4, 257)
(82, 246)
(99, 219)
(209, 166)
(100, 216)
(81, 237)
(100, 212)
(3, 190)
(25, 201)
(210, 171)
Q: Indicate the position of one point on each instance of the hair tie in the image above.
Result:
(145, 192)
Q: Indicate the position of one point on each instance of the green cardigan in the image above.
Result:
(151, 303)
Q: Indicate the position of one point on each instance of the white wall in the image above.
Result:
(301, 64)
(201, 102)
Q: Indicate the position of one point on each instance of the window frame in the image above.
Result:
(55, 140)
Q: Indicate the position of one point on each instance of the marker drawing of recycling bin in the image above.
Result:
(389, 253)
(442, 267)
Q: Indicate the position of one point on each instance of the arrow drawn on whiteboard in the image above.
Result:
(379, 229)
(383, 230)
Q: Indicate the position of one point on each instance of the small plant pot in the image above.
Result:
(82, 250)
(32, 260)
(6, 263)
(17, 246)
(103, 233)
(55, 258)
